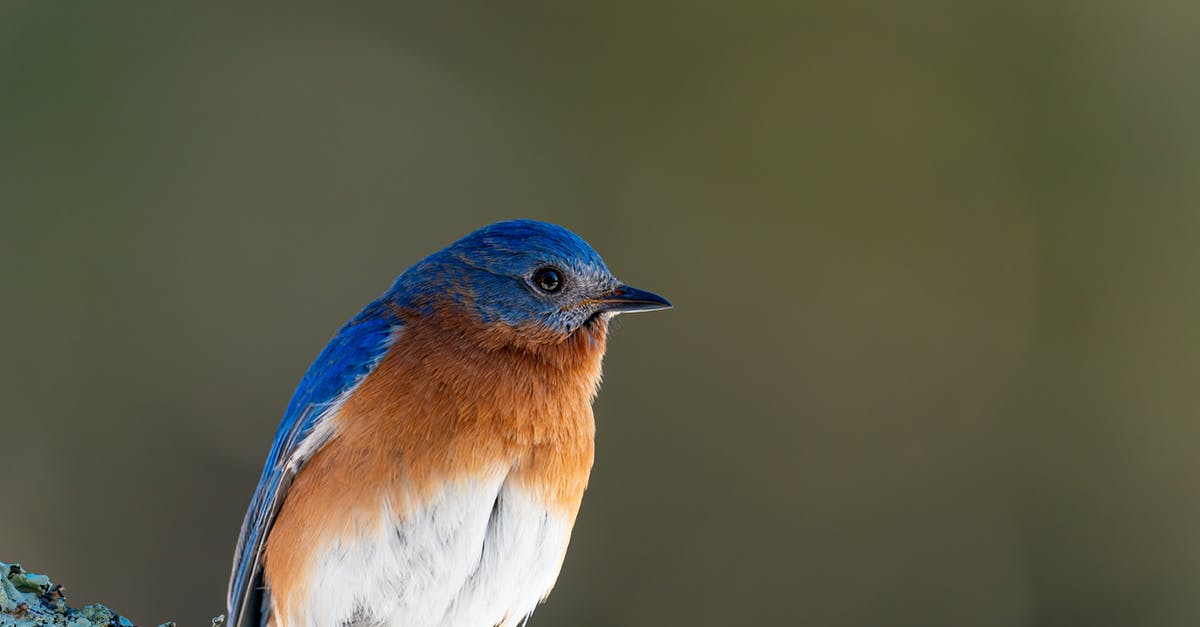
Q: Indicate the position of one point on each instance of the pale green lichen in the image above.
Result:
(29, 600)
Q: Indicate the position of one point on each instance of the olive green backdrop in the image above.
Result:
(934, 355)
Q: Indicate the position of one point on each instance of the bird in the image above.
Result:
(431, 463)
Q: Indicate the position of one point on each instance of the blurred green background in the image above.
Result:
(934, 354)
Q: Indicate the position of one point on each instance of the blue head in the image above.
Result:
(524, 274)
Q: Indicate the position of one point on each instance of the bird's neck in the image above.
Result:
(520, 375)
(453, 397)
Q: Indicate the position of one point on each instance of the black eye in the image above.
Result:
(548, 280)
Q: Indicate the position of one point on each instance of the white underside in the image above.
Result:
(479, 554)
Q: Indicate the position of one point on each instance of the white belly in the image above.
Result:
(478, 554)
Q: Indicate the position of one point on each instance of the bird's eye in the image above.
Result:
(549, 280)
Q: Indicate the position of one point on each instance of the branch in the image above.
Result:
(28, 600)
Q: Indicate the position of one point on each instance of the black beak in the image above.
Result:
(627, 299)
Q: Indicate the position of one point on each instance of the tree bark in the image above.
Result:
(27, 599)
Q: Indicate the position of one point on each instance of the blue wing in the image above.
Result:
(352, 353)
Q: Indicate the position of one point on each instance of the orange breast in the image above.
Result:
(450, 400)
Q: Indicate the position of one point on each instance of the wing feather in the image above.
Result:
(346, 360)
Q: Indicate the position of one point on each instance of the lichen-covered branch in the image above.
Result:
(29, 600)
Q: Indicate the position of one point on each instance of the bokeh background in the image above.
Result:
(934, 354)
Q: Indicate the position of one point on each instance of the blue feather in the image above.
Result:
(350, 356)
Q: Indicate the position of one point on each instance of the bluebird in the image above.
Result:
(430, 465)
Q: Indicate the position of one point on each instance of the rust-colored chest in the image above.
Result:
(446, 403)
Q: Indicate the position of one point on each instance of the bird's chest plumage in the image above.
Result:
(441, 500)
(477, 552)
